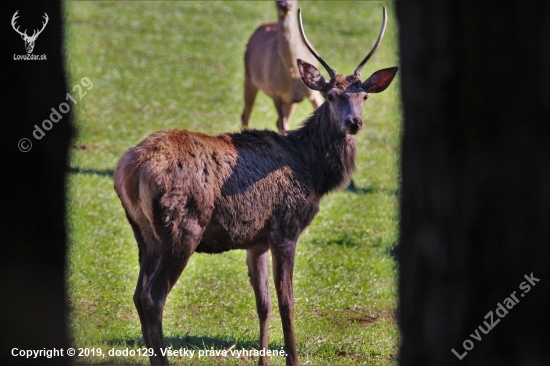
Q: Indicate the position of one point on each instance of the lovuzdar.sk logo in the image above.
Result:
(29, 40)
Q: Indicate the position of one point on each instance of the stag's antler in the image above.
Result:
(24, 34)
(330, 71)
(380, 36)
(34, 36)
(15, 16)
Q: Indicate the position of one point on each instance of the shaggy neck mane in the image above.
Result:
(329, 154)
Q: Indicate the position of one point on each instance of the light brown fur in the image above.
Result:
(270, 66)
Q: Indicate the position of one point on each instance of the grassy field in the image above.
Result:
(179, 64)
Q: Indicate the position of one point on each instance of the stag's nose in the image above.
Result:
(353, 124)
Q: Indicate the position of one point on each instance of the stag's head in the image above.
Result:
(285, 6)
(29, 40)
(346, 95)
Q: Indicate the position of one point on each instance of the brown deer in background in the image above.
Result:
(270, 66)
(186, 192)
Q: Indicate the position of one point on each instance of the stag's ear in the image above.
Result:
(311, 76)
(380, 80)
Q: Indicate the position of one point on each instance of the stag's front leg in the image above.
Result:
(258, 271)
(283, 266)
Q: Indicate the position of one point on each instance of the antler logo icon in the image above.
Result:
(29, 41)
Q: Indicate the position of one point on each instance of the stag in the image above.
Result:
(186, 192)
(270, 66)
(29, 41)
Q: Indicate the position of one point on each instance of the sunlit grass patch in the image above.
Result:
(179, 64)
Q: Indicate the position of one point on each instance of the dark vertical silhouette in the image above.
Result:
(475, 205)
(33, 234)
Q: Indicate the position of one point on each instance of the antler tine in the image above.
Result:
(380, 36)
(329, 69)
(13, 19)
(43, 24)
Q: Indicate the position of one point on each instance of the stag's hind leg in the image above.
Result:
(162, 263)
(140, 232)
(158, 275)
(258, 271)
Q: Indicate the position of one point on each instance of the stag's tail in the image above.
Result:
(127, 179)
(134, 186)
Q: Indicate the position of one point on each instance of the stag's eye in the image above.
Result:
(365, 97)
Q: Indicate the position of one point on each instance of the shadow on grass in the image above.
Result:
(101, 172)
(392, 252)
(352, 241)
(345, 240)
(371, 190)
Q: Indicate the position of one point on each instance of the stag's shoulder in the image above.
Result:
(259, 140)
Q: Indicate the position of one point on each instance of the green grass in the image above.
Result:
(158, 65)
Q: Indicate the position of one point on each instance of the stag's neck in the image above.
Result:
(328, 153)
(288, 37)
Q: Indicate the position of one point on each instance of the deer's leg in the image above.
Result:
(284, 112)
(250, 91)
(288, 110)
(283, 266)
(258, 271)
(158, 274)
(279, 108)
(315, 99)
(156, 280)
(139, 288)
(145, 270)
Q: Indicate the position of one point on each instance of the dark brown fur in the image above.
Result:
(268, 179)
(186, 192)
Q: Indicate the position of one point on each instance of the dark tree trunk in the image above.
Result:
(33, 312)
(475, 205)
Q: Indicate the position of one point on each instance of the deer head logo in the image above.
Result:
(29, 41)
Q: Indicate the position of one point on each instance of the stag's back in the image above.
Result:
(232, 185)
